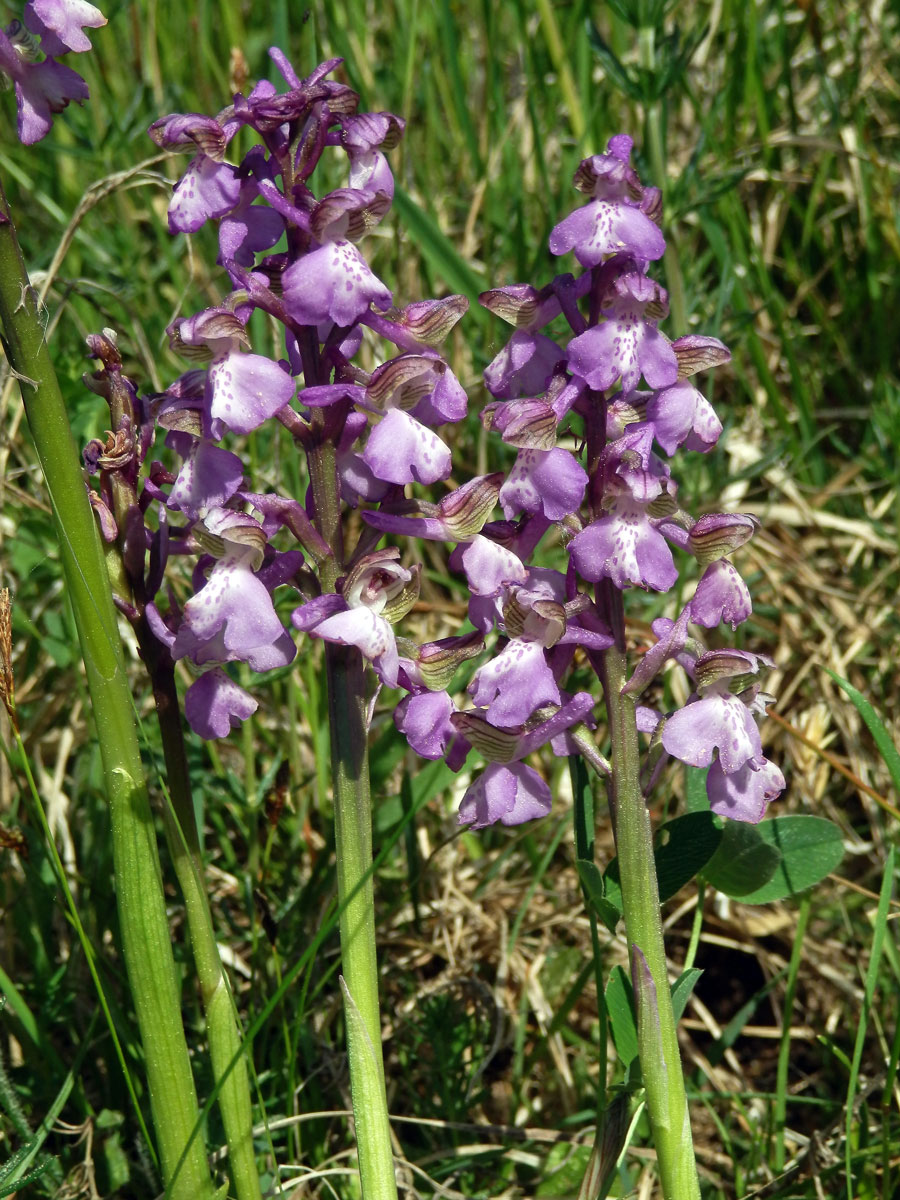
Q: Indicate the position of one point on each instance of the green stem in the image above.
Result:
(226, 1050)
(353, 848)
(657, 1039)
(146, 939)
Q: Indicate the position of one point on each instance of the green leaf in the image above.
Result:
(620, 1006)
(564, 1171)
(592, 882)
(875, 726)
(683, 847)
(744, 861)
(695, 799)
(682, 988)
(809, 848)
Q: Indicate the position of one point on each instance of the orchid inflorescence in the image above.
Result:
(616, 511)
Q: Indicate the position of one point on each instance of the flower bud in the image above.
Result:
(437, 662)
(493, 744)
(465, 510)
(429, 321)
(695, 353)
(717, 535)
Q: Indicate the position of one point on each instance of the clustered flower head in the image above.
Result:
(28, 61)
(613, 385)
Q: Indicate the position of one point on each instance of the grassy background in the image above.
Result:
(776, 126)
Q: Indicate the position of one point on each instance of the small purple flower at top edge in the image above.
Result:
(61, 24)
(42, 88)
(613, 220)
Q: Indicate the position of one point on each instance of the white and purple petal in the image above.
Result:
(509, 794)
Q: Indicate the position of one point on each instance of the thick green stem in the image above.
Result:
(146, 940)
(353, 848)
(657, 1039)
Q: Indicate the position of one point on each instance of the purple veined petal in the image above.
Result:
(625, 548)
(524, 366)
(721, 595)
(514, 683)
(551, 482)
(332, 283)
(744, 794)
(604, 227)
(307, 616)
(401, 450)
(622, 349)
(372, 635)
(59, 22)
(247, 389)
(209, 475)
(206, 190)
(489, 567)
(509, 794)
(42, 89)
(215, 704)
(233, 609)
(424, 720)
(248, 229)
(682, 416)
(717, 722)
